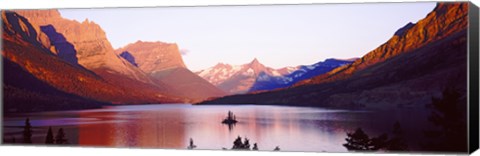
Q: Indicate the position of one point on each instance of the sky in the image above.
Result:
(277, 35)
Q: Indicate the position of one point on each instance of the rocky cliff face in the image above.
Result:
(18, 26)
(416, 64)
(36, 79)
(445, 20)
(153, 56)
(163, 62)
(84, 43)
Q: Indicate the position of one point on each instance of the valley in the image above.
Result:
(187, 78)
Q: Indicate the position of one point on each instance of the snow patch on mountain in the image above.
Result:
(255, 76)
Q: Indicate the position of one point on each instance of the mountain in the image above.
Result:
(445, 20)
(35, 78)
(163, 62)
(83, 43)
(416, 64)
(267, 82)
(254, 76)
(238, 79)
(152, 56)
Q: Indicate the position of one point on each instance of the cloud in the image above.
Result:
(184, 51)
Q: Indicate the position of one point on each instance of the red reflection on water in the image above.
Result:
(147, 130)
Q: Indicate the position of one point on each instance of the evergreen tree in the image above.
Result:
(49, 139)
(237, 144)
(27, 132)
(246, 144)
(191, 145)
(60, 137)
(378, 143)
(397, 143)
(276, 149)
(449, 115)
(397, 129)
(357, 141)
(255, 147)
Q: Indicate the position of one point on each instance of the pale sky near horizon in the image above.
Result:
(277, 35)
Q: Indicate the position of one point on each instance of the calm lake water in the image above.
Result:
(172, 126)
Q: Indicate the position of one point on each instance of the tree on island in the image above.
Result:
(448, 114)
(60, 137)
(27, 132)
(231, 119)
(49, 139)
(230, 115)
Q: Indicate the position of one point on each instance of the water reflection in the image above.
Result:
(230, 126)
(150, 129)
(172, 126)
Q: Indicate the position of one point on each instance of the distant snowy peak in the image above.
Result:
(292, 75)
(218, 73)
(239, 78)
(287, 70)
(320, 67)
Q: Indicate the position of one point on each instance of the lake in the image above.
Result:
(172, 126)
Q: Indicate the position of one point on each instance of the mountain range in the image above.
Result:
(255, 76)
(417, 63)
(266, 82)
(163, 62)
(53, 63)
(238, 79)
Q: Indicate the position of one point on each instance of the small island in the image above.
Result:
(231, 119)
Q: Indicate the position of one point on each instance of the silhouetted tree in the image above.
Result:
(276, 149)
(27, 132)
(191, 145)
(449, 115)
(378, 143)
(397, 129)
(49, 139)
(357, 141)
(255, 147)
(230, 119)
(60, 137)
(246, 144)
(230, 115)
(397, 143)
(239, 145)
